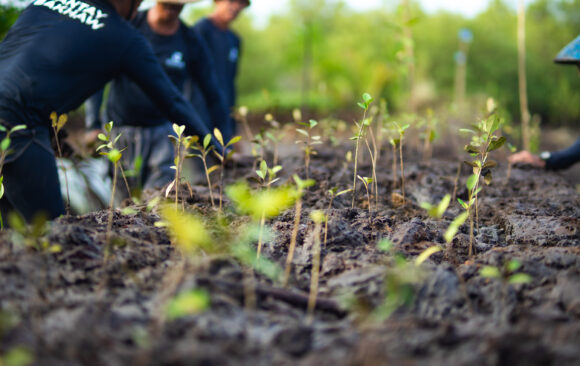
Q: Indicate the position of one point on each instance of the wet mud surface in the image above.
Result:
(72, 307)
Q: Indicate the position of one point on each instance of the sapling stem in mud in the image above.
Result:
(364, 105)
(366, 181)
(274, 135)
(309, 142)
(267, 178)
(482, 143)
(223, 156)
(301, 185)
(4, 152)
(58, 123)
(318, 217)
(373, 153)
(181, 143)
(114, 155)
(204, 149)
(429, 134)
(512, 149)
(401, 130)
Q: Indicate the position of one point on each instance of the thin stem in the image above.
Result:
(262, 223)
(125, 180)
(222, 177)
(293, 241)
(375, 160)
(62, 167)
(314, 276)
(456, 183)
(402, 169)
(360, 133)
(110, 219)
(208, 179)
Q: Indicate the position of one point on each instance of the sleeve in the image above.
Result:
(140, 65)
(202, 72)
(92, 111)
(564, 158)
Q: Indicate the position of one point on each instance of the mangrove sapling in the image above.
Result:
(429, 134)
(267, 177)
(373, 153)
(259, 141)
(4, 152)
(181, 143)
(114, 155)
(366, 181)
(58, 123)
(437, 211)
(204, 149)
(318, 217)
(399, 141)
(483, 142)
(274, 135)
(508, 275)
(223, 156)
(301, 185)
(367, 100)
(309, 142)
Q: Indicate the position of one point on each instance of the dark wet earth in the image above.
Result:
(72, 307)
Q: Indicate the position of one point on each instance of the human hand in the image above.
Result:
(527, 158)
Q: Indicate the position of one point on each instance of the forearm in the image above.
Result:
(564, 158)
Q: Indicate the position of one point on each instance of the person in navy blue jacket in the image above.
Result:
(565, 158)
(56, 55)
(224, 46)
(144, 129)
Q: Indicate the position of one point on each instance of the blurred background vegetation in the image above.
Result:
(322, 55)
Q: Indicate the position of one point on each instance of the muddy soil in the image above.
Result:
(73, 307)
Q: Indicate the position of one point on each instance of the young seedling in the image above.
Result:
(301, 185)
(243, 118)
(309, 142)
(437, 211)
(204, 149)
(366, 181)
(429, 134)
(267, 178)
(508, 275)
(364, 105)
(182, 144)
(318, 217)
(259, 146)
(274, 135)
(4, 152)
(483, 142)
(223, 157)
(58, 123)
(114, 155)
(399, 141)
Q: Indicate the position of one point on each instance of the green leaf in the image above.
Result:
(437, 211)
(109, 127)
(188, 303)
(520, 278)
(2, 128)
(234, 140)
(1, 186)
(462, 203)
(343, 192)
(490, 164)
(367, 98)
(490, 272)
(385, 245)
(313, 123)
(466, 130)
(513, 265)
(426, 254)
(487, 177)
(261, 174)
(362, 105)
(114, 156)
(472, 164)
(206, 141)
(218, 136)
(276, 169)
(5, 144)
(17, 128)
(471, 149)
(471, 181)
(454, 227)
(212, 169)
(18, 356)
(303, 132)
(102, 137)
(496, 144)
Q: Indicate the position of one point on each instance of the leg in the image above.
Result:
(32, 185)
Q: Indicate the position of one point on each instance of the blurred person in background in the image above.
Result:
(144, 129)
(56, 55)
(225, 48)
(563, 159)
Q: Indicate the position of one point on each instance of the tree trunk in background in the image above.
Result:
(525, 113)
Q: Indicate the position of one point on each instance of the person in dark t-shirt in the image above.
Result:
(144, 129)
(562, 159)
(224, 46)
(56, 55)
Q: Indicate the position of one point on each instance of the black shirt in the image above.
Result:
(59, 52)
(224, 47)
(181, 55)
